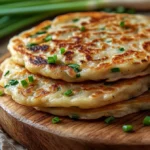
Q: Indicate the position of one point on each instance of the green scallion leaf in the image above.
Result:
(55, 120)
(122, 24)
(30, 78)
(52, 60)
(29, 45)
(115, 70)
(75, 20)
(75, 67)
(78, 75)
(1, 93)
(82, 28)
(7, 73)
(13, 82)
(146, 121)
(62, 50)
(48, 38)
(24, 83)
(68, 93)
(127, 128)
(121, 49)
(74, 116)
(41, 32)
(47, 27)
(109, 120)
(7, 85)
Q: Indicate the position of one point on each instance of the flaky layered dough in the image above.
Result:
(117, 110)
(97, 42)
(45, 92)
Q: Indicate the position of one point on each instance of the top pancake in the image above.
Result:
(86, 46)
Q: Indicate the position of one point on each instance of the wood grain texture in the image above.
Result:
(35, 131)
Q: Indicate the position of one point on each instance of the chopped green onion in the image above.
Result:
(7, 85)
(122, 24)
(48, 38)
(146, 121)
(7, 73)
(74, 116)
(75, 67)
(78, 75)
(127, 128)
(30, 78)
(75, 20)
(82, 28)
(115, 70)
(1, 93)
(41, 32)
(13, 82)
(29, 45)
(52, 60)
(68, 93)
(121, 49)
(24, 83)
(109, 120)
(47, 27)
(55, 120)
(62, 50)
(38, 33)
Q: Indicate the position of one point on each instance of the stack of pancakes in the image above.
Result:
(84, 65)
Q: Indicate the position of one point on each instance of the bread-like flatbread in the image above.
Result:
(117, 110)
(45, 92)
(102, 45)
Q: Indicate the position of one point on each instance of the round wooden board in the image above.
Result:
(34, 130)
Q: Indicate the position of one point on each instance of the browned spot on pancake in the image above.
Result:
(40, 93)
(69, 55)
(146, 46)
(127, 39)
(38, 48)
(38, 60)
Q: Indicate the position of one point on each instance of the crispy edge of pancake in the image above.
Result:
(117, 110)
(53, 72)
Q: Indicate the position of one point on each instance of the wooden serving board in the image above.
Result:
(34, 130)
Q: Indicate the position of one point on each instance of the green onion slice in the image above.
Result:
(52, 60)
(1, 93)
(55, 120)
(13, 82)
(24, 83)
(109, 120)
(146, 121)
(127, 128)
(7, 73)
(48, 38)
(75, 20)
(121, 49)
(62, 50)
(122, 24)
(75, 67)
(115, 70)
(68, 93)
(82, 28)
(30, 78)
(74, 116)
